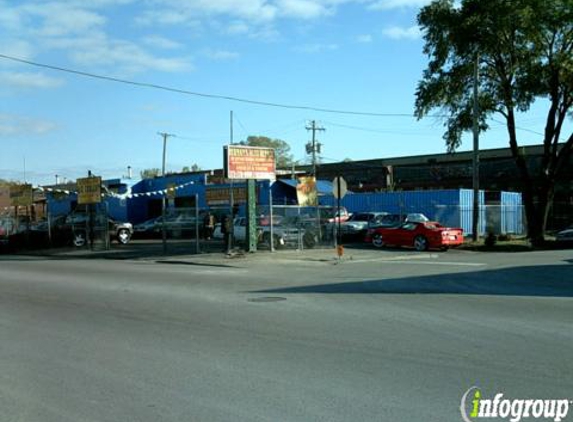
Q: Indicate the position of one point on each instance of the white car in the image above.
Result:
(360, 222)
(282, 234)
(565, 236)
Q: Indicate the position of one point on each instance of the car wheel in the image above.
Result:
(377, 241)
(123, 236)
(79, 239)
(309, 240)
(420, 243)
(267, 241)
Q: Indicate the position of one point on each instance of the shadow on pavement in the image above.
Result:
(541, 281)
(134, 250)
(199, 264)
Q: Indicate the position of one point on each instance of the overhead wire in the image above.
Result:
(199, 94)
(235, 99)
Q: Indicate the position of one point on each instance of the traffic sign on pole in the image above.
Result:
(339, 187)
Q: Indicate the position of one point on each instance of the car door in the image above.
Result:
(406, 234)
(240, 228)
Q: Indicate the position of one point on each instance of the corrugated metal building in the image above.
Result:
(453, 207)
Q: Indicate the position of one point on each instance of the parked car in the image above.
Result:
(565, 236)
(419, 235)
(72, 228)
(359, 222)
(285, 231)
(332, 215)
(5, 230)
(394, 220)
(148, 227)
(176, 225)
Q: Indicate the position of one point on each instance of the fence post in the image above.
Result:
(271, 222)
(197, 246)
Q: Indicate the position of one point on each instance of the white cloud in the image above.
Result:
(220, 55)
(59, 19)
(399, 33)
(160, 42)
(123, 56)
(166, 17)
(397, 4)
(316, 48)
(364, 39)
(13, 125)
(16, 48)
(302, 9)
(237, 28)
(28, 80)
(10, 18)
(181, 12)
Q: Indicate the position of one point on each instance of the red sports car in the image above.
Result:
(421, 236)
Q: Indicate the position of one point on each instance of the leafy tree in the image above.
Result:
(194, 167)
(525, 53)
(282, 149)
(150, 173)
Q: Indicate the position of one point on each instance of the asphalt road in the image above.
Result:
(396, 336)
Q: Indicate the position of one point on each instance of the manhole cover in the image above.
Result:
(267, 299)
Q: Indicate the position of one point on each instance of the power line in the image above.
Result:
(236, 99)
(365, 129)
(245, 131)
(199, 94)
(517, 127)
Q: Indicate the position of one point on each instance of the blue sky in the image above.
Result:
(356, 55)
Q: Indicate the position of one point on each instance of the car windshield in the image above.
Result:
(361, 217)
(391, 219)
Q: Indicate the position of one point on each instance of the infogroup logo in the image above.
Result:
(514, 410)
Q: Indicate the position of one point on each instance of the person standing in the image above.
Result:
(208, 225)
(227, 230)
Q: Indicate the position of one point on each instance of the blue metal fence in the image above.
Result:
(453, 207)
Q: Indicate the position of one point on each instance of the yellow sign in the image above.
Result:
(89, 190)
(306, 193)
(21, 195)
(171, 191)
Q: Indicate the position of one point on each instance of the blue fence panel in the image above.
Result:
(466, 211)
(512, 213)
(452, 208)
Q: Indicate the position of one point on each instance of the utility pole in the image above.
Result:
(165, 136)
(231, 236)
(475, 157)
(314, 147)
(231, 127)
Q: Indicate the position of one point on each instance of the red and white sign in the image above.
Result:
(243, 162)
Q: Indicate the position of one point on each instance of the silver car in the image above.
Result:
(359, 222)
(565, 236)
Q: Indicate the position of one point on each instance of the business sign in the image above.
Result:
(306, 193)
(21, 195)
(89, 190)
(222, 195)
(242, 162)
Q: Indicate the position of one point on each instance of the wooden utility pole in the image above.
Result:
(165, 136)
(314, 147)
(475, 157)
